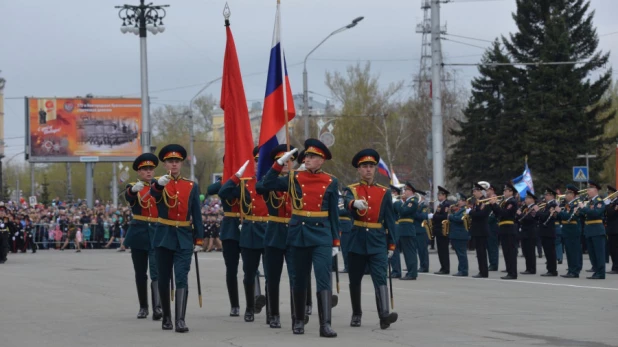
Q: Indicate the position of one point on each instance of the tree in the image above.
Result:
(611, 132)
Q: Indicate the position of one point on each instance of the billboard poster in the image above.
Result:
(83, 129)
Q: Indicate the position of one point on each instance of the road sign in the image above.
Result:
(580, 174)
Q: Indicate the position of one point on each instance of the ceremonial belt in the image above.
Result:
(367, 225)
(175, 223)
(571, 222)
(506, 222)
(231, 214)
(596, 221)
(557, 223)
(305, 213)
(257, 218)
(279, 219)
(407, 220)
(145, 219)
(345, 218)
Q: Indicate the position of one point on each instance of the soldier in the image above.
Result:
(395, 260)
(547, 231)
(406, 231)
(178, 205)
(422, 237)
(493, 244)
(4, 234)
(314, 228)
(528, 227)
(373, 237)
(440, 215)
(571, 232)
(254, 216)
(141, 233)
(506, 212)
(593, 211)
(612, 230)
(479, 230)
(458, 235)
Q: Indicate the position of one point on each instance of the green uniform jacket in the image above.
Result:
(420, 216)
(187, 207)
(317, 192)
(141, 233)
(229, 225)
(407, 212)
(570, 228)
(345, 220)
(457, 231)
(593, 211)
(396, 207)
(278, 206)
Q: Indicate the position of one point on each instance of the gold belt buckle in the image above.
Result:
(308, 214)
(177, 223)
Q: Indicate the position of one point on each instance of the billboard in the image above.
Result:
(83, 129)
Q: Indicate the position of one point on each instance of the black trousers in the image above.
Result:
(527, 247)
(4, 245)
(140, 265)
(443, 253)
(481, 254)
(612, 245)
(250, 264)
(509, 250)
(549, 248)
(231, 257)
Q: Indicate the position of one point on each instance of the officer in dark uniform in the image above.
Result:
(406, 230)
(493, 243)
(314, 228)
(526, 217)
(254, 216)
(571, 232)
(422, 238)
(141, 233)
(506, 212)
(373, 237)
(611, 210)
(458, 235)
(593, 212)
(5, 234)
(395, 260)
(440, 215)
(178, 204)
(547, 231)
(479, 230)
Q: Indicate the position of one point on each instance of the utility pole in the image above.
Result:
(436, 116)
(114, 185)
(587, 156)
(32, 181)
(69, 183)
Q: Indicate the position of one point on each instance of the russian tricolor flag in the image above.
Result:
(383, 169)
(277, 102)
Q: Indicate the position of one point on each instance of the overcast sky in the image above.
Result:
(66, 48)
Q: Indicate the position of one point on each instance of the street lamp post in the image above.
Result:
(137, 20)
(305, 83)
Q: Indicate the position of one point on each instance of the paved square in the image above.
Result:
(56, 299)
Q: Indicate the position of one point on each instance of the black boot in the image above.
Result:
(181, 309)
(293, 315)
(324, 313)
(272, 307)
(157, 312)
(300, 300)
(267, 305)
(309, 308)
(260, 300)
(142, 296)
(250, 298)
(232, 291)
(164, 294)
(357, 312)
(386, 318)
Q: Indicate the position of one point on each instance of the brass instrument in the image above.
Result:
(428, 225)
(563, 196)
(499, 198)
(612, 196)
(446, 223)
(467, 221)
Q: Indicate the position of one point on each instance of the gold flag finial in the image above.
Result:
(526, 158)
(226, 11)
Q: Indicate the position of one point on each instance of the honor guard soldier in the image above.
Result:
(178, 201)
(421, 227)
(611, 210)
(395, 260)
(506, 212)
(440, 215)
(372, 240)
(593, 212)
(254, 216)
(309, 306)
(141, 233)
(571, 232)
(4, 234)
(479, 230)
(406, 230)
(314, 228)
(458, 234)
(229, 235)
(547, 231)
(526, 217)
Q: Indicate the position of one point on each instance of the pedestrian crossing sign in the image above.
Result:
(580, 174)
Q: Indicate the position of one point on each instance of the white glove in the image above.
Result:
(137, 187)
(242, 169)
(198, 248)
(13, 238)
(163, 180)
(390, 254)
(468, 210)
(360, 204)
(335, 251)
(430, 216)
(286, 156)
(607, 201)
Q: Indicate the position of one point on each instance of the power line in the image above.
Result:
(383, 60)
(512, 64)
(463, 43)
(469, 38)
(613, 33)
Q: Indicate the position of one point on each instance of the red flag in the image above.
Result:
(238, 135)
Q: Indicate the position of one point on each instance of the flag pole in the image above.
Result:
(283, 84)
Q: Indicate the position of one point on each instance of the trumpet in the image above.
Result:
(562, 196)
(499, 197)
(612, 196)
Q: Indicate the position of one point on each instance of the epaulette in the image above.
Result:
(353, 185)
(185, 179)
(331, 175)
(381, 186)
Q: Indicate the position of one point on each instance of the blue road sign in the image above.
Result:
(580, 174)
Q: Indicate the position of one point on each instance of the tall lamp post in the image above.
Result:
(305, 85)
(138, 20)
